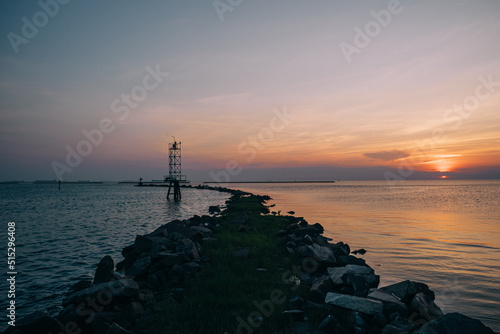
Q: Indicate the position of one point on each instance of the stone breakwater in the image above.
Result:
(336, 286)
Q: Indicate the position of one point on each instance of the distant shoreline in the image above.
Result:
(211, 182)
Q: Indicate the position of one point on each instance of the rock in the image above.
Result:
(83, 284)
(398, 326)
(176, 274)
(241, 253)
(307, 239)
(455, 323)
(139, 267)
(337, 273)
(213, 209)
(37, 322)
(344, 260)
(302, 231)
(425, 306)
(319, 288)
(190, 250)
(117, 329)
(382, 296)
(121, 288)
(354, 303)
(361, 251)
(171, 259)
(392, 304)
(406, 290)
(330, 324)
(319, 253)
(105, 271)
(201, 229)
(177, 226)
(295, 303)
(148, 244)
(358, 278)
(293, 315)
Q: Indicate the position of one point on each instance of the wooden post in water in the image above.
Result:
(59, 184)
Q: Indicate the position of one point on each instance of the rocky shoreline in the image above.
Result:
(326, 290)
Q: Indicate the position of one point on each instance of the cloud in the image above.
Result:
(387, 155)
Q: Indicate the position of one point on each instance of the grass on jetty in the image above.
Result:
(226, 291)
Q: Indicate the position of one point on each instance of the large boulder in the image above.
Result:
(454, 323)
(121, 288)
(359, 279)
(139, 267)
(105, 270)
(425, 307)
(319, 253)
(320, 287)
(359, 304)
(406, 290)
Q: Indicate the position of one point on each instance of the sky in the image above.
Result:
(254, 90)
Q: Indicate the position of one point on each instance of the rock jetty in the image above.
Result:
(326, 290)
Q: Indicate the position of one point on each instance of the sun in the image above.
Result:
(444, 176)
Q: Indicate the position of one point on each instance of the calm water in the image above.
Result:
(444, 233)
(61, 235)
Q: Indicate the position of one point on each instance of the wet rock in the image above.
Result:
(83, 284)
(361, 251)
(139, 267)
(406, 290)
(344, 260)
(354, 303)
(180, 228)
(105, 271)
(121, 288)
(318, 227)
(425, 307)
(455, 323)
(392, 304)
(358, 279)
(212, 209)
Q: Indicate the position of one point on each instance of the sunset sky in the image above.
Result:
(276, 89)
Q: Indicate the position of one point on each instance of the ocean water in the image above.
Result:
(62, 234)
(445, 233)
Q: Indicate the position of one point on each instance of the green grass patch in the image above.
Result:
(227, 289)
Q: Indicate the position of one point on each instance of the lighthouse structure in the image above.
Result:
(174, 169)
